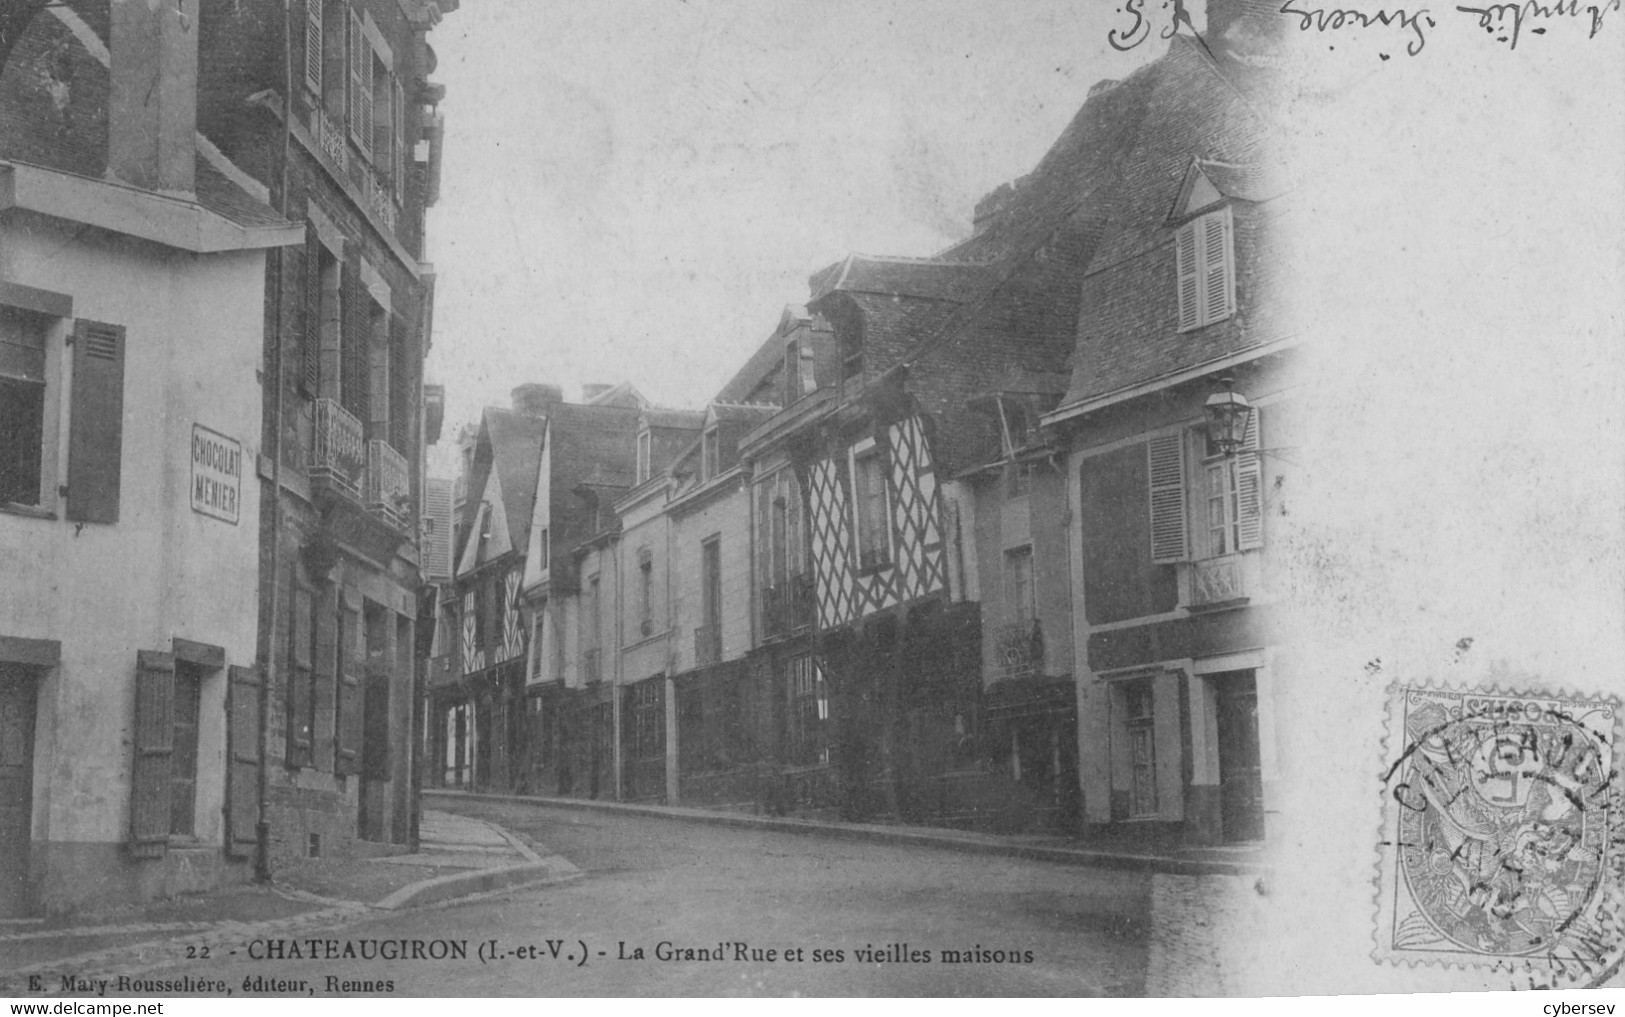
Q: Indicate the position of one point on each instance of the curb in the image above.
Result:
(554, 869)
(915, 837)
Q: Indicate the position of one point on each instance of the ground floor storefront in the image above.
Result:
(1180, 750)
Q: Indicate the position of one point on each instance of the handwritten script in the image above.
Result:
(1506, 23)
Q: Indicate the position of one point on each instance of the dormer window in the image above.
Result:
(644, 444)
(1207, 276)
(710, 454)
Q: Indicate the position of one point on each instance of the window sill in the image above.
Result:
(1218, 605)
(12, 508)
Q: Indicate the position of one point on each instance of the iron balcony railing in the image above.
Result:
(787, 607)
(707, 645)
(389, 485)
(379, 200)
(331, 138)
(1218, 580)
(338, 448)
(589, 665)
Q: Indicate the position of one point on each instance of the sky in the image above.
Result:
(632, 190)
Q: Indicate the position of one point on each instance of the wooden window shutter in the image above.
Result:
(242, 760)
(96, 431)
(300, 721)
(360, 87)
(402, 402)
(353, 355)
(1218, 293)
(383, 119)
(1166, 454)
(313, 45)
(397, 110)
(310, 372)
(1190, 306)
(326, 671)
(1249, 490)
(347, 723)
(154, 745)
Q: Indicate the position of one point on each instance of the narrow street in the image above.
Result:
(651, 881)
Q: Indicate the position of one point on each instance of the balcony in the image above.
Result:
(589, 666)
(1019, 650)
(707, 645)
(787, 607)
(331, 137)
(389, 485)
(338, 451)
(1218, 581)
(379, 201)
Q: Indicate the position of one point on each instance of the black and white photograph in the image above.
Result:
(786, 498)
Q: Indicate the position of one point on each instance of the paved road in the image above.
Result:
(1026, 928)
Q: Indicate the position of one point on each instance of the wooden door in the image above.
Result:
(16, 786)
(1241, 788)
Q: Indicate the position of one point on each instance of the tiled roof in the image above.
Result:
(515, 444)
(1128, 334)
(926, 278)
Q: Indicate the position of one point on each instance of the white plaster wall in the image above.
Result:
(193, 333)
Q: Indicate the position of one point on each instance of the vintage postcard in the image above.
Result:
(811, 497)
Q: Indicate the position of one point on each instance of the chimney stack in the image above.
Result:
(536, 399)
(152, 106)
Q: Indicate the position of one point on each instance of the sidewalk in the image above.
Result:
(457, 857)
(1240, 860)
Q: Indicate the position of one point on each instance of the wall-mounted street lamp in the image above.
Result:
(1228, 413)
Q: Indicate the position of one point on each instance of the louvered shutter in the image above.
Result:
(397, 134)
(437, 514)
(1217, 290)
(154, 746)
(326, 679)
(1166, 455)
(96, 431)
(383, 121)
(403, 415)
(360, 87)
(354, 368)
(310, 372)
(298, 738)
(1249, 490)
(347, 725)
(242, 760)
(313, 46)
(1188, 256)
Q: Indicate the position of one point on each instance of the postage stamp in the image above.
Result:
(1503, 837)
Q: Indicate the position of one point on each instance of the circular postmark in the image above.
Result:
(1509, 836)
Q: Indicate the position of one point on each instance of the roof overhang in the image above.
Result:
(1083, 407)
(172, 221)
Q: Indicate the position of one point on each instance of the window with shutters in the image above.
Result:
(315, 48)
(183, 758)
(644, 448)
(646, 587)
(1206, 269)
(301, 679)
(1019, 603)
(360, 61)
(710, 454)
(808, 697)
(871, 506)
(319, 360)
(1232, 494)
(22, 404)
(1139, 726)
